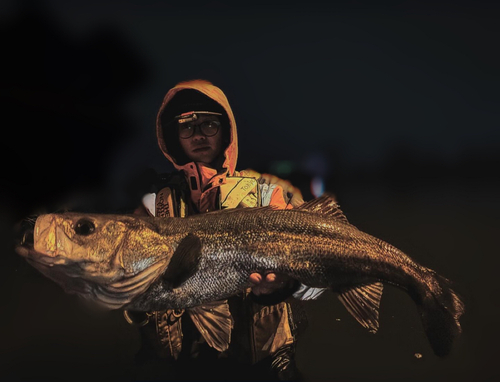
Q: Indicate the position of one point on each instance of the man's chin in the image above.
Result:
(202, 157)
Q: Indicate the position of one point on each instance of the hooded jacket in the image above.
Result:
(204, 181)
(272, 326)
(214, 93)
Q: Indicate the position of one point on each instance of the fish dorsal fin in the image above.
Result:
(363, 303)
(184, 261)
(227, 211)
(325, 204)
(214, 322)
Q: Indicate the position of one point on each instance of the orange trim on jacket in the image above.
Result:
(204, 181)
(211, 91)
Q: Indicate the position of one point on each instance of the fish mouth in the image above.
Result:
(57, 268)
(24, 233)
(107, 292)
(25, 245)
(68, 276)
(111, 290)
(34, 257)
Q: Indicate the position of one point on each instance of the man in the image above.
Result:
(196, 132)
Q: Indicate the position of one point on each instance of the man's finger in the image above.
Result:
(255, 278)
(271, 277)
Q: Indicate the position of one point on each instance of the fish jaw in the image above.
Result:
(106, 264)
(53, 242)
(39, 244)
(62, 239)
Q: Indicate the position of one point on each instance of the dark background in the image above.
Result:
(393, 105)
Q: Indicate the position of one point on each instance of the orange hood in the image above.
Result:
(213, 92)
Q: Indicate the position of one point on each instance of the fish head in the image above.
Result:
(91, 241)
(100, 257)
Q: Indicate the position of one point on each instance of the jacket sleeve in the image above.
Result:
(278, 200)
(290, 194)
(272, 195)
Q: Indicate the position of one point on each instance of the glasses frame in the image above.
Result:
(200, 127)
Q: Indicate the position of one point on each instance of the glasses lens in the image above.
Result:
(185, 131)
(209, 128)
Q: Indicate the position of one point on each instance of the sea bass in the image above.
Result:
(148, 263)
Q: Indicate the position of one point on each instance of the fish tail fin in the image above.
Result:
(441, 309)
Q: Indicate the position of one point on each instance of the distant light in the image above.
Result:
(282, 167)
(317, 186)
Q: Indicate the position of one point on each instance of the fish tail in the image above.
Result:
(441, 308)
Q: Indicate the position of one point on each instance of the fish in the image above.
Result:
(152, 263)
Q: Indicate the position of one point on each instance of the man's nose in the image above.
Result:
(197, 134)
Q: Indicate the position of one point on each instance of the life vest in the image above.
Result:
(271, 326)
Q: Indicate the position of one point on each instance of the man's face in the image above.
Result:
(199, 147)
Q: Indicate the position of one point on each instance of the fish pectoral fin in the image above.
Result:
(363, 303)
(215, 322)
(184, 261)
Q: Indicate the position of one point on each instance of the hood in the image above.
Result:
(168, 142)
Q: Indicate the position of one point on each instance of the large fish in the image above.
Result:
(147, 263)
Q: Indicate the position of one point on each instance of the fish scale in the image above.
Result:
(338, 254)
(149, 263)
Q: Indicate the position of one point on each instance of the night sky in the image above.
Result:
(393, 104)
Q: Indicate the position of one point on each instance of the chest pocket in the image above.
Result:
(240, 192)
(168, 203)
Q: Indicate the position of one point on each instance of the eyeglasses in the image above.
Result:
(207, 128)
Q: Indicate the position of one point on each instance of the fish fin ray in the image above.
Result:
(308, 293)
(118, 294)
(128, 284)
(363, 303)
(215, 323)
(235, 210)
(326, 204)
(184, 261)
(440, 311)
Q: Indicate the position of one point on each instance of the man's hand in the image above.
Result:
(268, 283)
(290, 193)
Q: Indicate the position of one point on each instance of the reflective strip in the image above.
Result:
(149, 202)
(237, 190)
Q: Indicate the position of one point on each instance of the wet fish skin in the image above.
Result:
(149, 264)
(110, 263)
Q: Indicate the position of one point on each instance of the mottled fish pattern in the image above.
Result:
(147, 263)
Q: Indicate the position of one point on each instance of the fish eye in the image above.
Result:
(84, 227)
